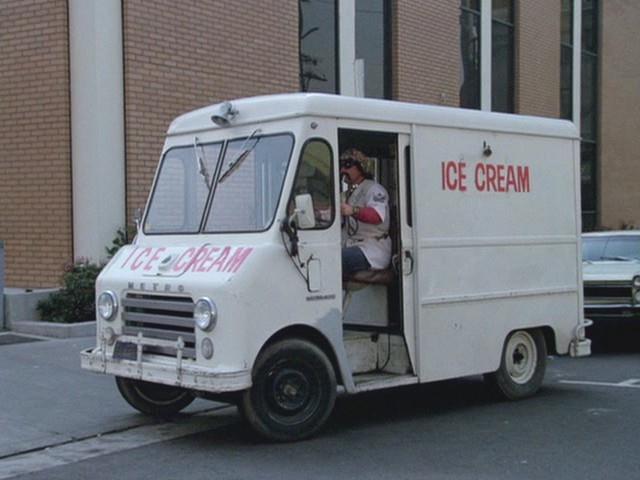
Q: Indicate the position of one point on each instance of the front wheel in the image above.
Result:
(293, 391)
(153, 398)
(522, 366)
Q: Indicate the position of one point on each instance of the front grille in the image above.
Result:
(161, 317)
(604, 293)
(608, 291)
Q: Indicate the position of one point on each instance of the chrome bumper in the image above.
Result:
(580, 346)
(612, 310)
(167, 371)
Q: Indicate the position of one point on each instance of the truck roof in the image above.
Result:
(282, 106)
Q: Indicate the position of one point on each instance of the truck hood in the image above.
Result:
(157, 262)
(610, 271)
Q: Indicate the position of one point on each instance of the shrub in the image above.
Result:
(75, 301)
(122, 238)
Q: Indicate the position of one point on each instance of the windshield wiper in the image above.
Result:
(202, 169)
(233, 165)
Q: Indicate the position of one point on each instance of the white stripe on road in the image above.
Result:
(631, 383)
(113, 442)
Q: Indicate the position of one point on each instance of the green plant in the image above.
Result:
(121, 239)
(75, 301)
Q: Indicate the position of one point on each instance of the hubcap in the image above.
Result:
(290, 390)
(521, 357)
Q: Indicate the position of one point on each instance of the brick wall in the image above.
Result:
(35, 164)
(180, 55)
(426, 51)
(619, 165)
(537, 40)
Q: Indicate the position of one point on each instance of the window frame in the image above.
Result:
(591, 96)
(511, 86)
(332, 185)
(477, 14)
(336, 49)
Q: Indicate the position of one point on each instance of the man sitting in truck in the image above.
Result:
(365, 213)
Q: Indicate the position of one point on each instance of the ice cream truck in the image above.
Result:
(233, 288)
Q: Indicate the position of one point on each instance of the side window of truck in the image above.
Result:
(315, 177)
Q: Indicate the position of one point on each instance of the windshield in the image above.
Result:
(620, 248)
(253, 175)
(244, 185)
(182, 188)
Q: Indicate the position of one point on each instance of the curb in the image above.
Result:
(55, 330)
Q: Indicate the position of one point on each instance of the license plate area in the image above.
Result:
(125, 351)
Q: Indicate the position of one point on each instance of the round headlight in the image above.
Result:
(636, 281)
(205, 314)
(107, 305)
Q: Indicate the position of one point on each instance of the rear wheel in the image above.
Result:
(293, 391)
(522, 366)
(153, 398)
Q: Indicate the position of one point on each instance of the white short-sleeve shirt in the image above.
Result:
(373, 240)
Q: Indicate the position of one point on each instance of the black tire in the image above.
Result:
(522, 367)
(293, 391)
(153, 398)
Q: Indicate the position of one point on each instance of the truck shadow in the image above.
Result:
(417, 403)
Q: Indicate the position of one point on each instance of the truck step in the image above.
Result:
(366, 382)
(368, 352)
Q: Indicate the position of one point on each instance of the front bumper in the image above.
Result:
(580, 346)
(165, 370)
(618, 310)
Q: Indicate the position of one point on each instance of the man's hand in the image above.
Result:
(346, 210)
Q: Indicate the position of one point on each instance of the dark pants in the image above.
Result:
(353, 260)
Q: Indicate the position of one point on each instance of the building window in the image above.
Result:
(589, 112)
(318, 46)
(470, 52)
(372, 32)
(566, 60)
(502, 56)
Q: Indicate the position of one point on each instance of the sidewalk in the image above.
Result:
(46, 399)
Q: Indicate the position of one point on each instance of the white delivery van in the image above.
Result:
(233, 287)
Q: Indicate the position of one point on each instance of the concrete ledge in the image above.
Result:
(55, 330)
(20, 304)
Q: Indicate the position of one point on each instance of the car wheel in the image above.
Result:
(522, 366)
(153, 398)
(293, 391)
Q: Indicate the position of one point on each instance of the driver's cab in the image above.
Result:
(275, 187)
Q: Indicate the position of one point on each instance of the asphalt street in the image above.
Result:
(59, 422)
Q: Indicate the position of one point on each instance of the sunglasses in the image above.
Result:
(348, 162)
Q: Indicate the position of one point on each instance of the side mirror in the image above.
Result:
(303, 214)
